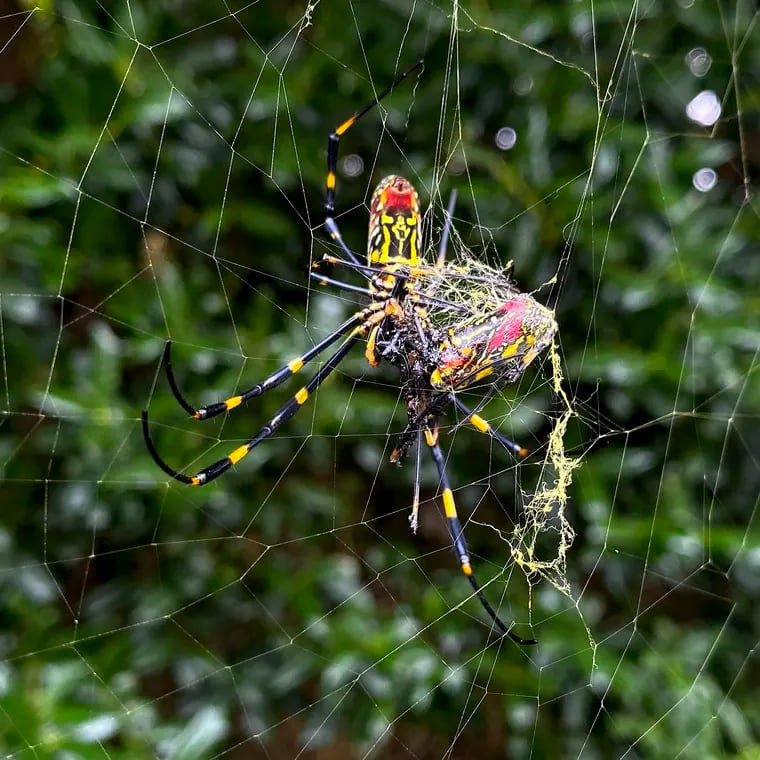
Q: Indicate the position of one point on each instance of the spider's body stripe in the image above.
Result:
(512, 349)
(392, 246)
(394, 219)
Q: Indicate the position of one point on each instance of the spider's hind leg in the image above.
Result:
(457, 537)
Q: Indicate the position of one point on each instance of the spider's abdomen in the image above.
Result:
(394, 223)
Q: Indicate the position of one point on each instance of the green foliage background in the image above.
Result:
(161, 174)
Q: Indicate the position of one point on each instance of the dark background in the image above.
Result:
(161, 175)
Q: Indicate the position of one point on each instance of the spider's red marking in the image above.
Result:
(510, 327)
(395, 195)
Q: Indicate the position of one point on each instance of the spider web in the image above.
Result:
(163, 173)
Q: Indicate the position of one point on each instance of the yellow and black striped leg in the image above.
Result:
(277, 377)
(457, 537)
(482, 426)
(213, 471)
(333, 141)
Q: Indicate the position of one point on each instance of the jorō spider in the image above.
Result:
(446, 327)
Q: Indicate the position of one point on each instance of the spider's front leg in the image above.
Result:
(214, 470)
(276, 378)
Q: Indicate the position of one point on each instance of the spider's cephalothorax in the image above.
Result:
(444, 327)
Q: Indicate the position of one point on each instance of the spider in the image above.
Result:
(444, 326)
